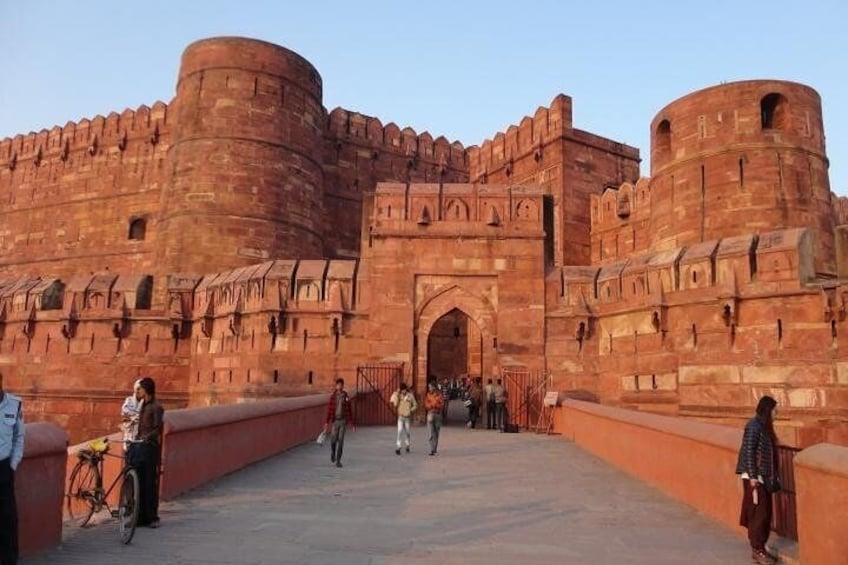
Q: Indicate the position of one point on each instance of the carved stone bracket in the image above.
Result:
(207, 323)
(29, 325)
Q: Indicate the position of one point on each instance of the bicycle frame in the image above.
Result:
(101, 496)
(86, 486)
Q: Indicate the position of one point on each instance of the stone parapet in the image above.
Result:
(40, 487)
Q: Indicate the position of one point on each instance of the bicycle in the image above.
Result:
(86, 496)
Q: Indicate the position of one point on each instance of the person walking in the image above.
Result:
(339, 416)
(476, 399)
(446, 397)
(405, 404)
(757, 468)
(490, 405)
(433, 404)
(150, 453)
(11, 454)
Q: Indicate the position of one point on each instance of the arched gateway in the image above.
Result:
(455, 336)
(458, 294)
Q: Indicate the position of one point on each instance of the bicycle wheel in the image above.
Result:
(128, 505)
(82, 492)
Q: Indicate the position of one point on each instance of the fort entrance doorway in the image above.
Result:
(455, 355)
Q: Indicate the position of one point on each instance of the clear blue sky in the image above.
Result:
(463, 69)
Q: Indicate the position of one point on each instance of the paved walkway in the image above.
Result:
(487, 498)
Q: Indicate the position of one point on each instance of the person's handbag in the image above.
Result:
(322, 437)
(774, 485)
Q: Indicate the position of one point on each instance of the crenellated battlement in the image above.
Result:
(94, 136)
(840, 208)
(617, 206)
(529, 137)
(355, 127)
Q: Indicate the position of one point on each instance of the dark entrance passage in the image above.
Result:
(454, 355)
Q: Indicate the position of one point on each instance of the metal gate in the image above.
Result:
(375, 384)
(783, 518)
(525, 394)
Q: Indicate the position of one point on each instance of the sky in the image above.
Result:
(462, 69)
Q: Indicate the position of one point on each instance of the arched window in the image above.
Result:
(138, 229)
(662, 140)
(774, 111)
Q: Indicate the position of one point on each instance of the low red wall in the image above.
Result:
(202, 444)
(40, 487)
(692, 461)
(821, 486)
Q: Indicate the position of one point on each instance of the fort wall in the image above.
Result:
(704, 330)
(84, 197)
(72, 349)
(242, 242)
(568, 163)
(359, 152)
(282, 328)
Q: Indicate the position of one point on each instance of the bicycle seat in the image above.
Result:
(98, 445)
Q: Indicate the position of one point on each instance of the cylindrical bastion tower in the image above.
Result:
(246, 182)
(739, 158)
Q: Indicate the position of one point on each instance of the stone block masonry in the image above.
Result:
(243, 242)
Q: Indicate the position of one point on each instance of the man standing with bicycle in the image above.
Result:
(150, 433)
(11, 453)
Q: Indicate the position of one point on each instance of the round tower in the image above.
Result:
(738, 158)
(246, 183)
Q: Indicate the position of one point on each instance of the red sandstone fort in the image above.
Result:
(241, 242)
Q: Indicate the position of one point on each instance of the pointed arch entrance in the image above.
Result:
(454, 347)
(469, 320)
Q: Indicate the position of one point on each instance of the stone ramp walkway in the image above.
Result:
(487, 498)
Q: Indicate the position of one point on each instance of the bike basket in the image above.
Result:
(98, 446)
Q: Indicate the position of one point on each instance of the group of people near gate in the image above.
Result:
(487, 404)
(757, 456)
(490, 402)
(340, 416)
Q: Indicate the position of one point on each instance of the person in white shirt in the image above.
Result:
(405, 404)
(130, 411)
